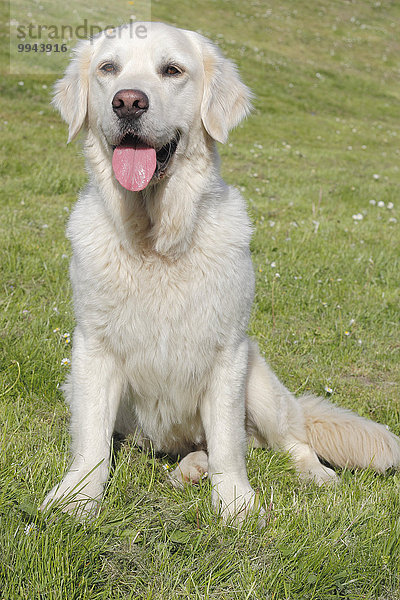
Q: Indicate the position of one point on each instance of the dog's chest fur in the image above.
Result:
(163, 321)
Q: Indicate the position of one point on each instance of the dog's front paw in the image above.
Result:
(236, 501)
(77, 494)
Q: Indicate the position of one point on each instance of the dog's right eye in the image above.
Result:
(108, 68)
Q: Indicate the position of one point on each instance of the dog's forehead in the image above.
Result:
(147, 41)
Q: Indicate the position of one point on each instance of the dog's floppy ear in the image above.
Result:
(71, 92)
(226, 100)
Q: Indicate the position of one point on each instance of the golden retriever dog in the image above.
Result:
(163, 282)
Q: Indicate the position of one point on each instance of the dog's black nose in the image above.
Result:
(130, 103)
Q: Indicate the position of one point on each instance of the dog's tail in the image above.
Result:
(344, 439)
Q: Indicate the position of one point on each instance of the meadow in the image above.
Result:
(318, 162)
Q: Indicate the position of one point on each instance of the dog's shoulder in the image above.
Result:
(227, 224)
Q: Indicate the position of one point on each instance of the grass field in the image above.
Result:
(318, 162)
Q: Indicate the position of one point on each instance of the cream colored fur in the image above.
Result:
(163, 286)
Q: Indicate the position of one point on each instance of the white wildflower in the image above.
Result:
(30, 528)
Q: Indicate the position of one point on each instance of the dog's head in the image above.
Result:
(143, 89)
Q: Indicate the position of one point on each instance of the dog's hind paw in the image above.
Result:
(191, 469)
(320, 475)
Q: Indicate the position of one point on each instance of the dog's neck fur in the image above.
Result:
(161, 219)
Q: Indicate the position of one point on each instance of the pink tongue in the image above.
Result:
(134, 166)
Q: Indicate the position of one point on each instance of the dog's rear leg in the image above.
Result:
(275, 418)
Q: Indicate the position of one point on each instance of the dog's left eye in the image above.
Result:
(108, 68)
(171, 70)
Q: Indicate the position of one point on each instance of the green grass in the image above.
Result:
(305, 161)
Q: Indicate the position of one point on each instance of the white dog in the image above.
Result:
(163, 281)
